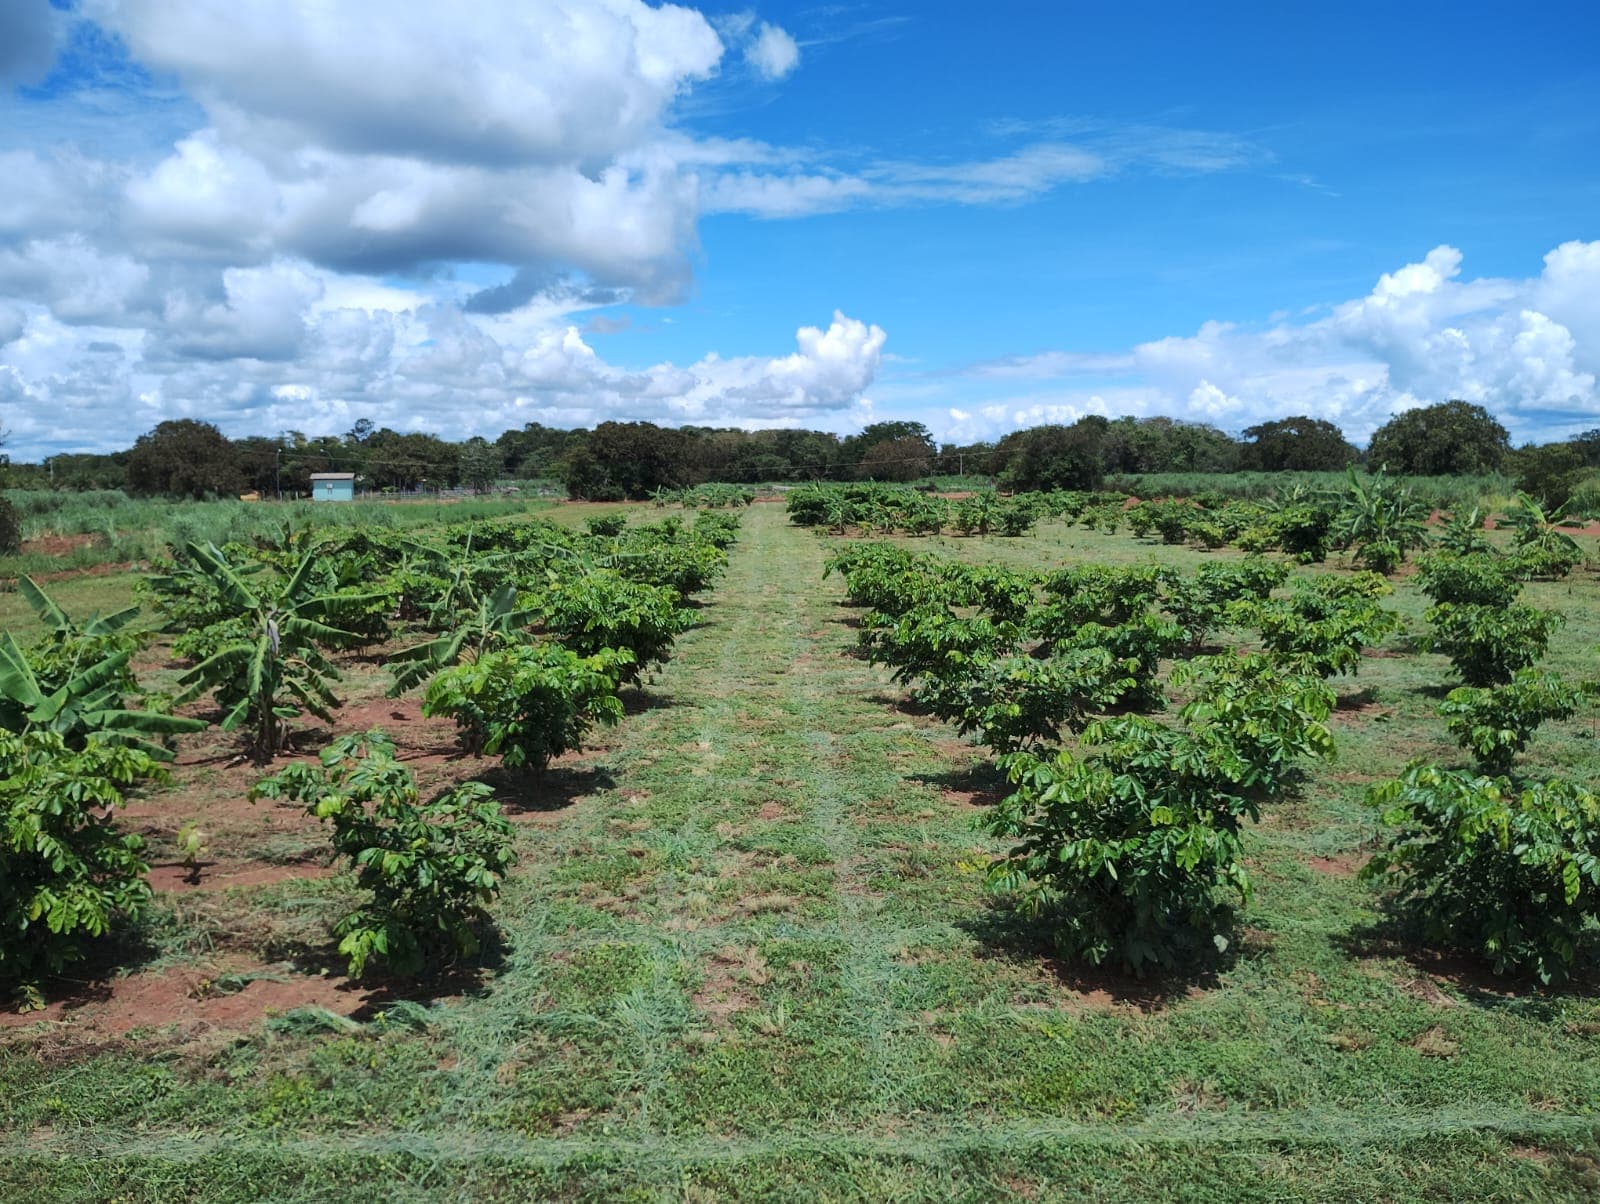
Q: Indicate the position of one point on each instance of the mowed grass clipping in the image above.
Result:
(758, 962)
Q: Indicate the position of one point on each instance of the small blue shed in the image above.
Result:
(333, 486)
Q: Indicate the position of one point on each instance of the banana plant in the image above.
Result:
(1382, 519)
(1463, 533)
(496, 622)
(265, 665)
(438, 585)
(1543, 547)
(70, 644)
(89, 702)
(62, 625)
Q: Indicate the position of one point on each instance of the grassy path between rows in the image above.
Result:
(759, 963)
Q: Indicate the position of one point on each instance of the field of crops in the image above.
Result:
(878, 845)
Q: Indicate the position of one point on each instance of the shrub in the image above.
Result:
(1098, 593)
(1380, 556)
(65, 871)
(1139, 644)
(1123, 850)
(1477, 578)
(663, 554)
(1303, 529)
(1257, 719)
(1547, 563)
(719, 529)
(606, 526)
(888, 579)
(1199, 601)
(1496, 724)
(1172, 520)
(10, 529)
(529, 702)
(1325, 624)
(1019, 702)
(931, 641)
(600, 610)
(1016, 518)
(1006, 595)
(1488, 644)
(976, 514)
(807, 506)
(1511, 875)
(431, 867)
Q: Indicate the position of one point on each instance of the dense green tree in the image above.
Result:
(1297, 444)
(535, 451)
(1453, 438)
(1587, 445)
(856, 447)
(259, 463)
(632, 459)
(410, 461)
(184, 457)
(10, 528)
(481, 464)
(1134, 445)
(1053, 457)
(1549, 474)
(903, 459)
(75, 470)
(812, 455)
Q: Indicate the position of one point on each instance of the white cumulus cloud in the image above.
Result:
(773, 52)
(1526, 349)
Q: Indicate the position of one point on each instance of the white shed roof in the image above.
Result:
(333, 476)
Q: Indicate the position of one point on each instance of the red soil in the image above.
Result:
(195, 999)
(1344, 866)
(58, 545)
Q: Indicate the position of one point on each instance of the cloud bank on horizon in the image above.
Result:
(369, 210)
(1528, 350)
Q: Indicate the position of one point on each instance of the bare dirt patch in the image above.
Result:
(1434, 1043)
(58, 545)
(1110, 990)
(723, 992)
(195, 999)
(417, 737)
(973, 798)
(179, 878)
(1346, 865)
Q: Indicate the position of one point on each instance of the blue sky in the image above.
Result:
(979, 217)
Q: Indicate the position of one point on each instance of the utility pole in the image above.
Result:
(277, 471)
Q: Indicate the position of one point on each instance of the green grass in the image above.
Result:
(760, 964)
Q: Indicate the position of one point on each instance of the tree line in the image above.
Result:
(616, 460)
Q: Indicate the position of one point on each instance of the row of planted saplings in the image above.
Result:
(1378, 520)
(1124, 836)
(523, 632)
(868, 507)
(1500, 860)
